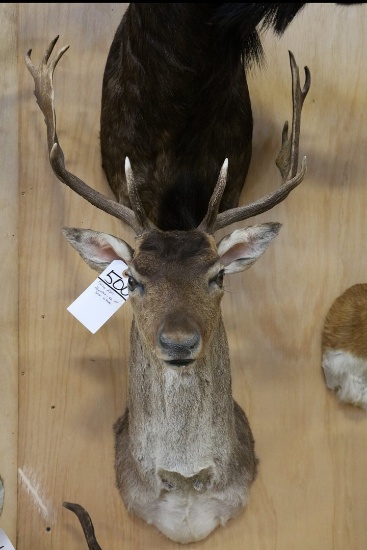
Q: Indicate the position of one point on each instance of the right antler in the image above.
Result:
(287, 162)
(44, 93)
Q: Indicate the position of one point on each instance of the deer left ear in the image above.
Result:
(239, 250)
(97, 249)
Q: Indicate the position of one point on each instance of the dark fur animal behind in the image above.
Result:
(175, 101)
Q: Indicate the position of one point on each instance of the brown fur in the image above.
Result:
(346, 322)
(189, 438)
(185, 456)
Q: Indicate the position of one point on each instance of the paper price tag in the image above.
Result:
(5, 543)
(102, 298)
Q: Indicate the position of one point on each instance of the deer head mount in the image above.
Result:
(235, 252)
(183, 444)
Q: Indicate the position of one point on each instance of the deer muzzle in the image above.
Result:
(179, 341)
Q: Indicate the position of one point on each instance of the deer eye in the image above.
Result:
(218, 279)
(132, 283)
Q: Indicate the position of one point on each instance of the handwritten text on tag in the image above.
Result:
(102, 298)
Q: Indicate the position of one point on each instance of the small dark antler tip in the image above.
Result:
(291, 56)
(77, 509)
(307, 85)
(292, 62)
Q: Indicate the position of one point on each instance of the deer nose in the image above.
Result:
(179, 341)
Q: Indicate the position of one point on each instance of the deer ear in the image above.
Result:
(98, 250)
(239, 250)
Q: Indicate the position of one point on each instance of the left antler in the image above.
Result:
(287, 162)
(44, 92)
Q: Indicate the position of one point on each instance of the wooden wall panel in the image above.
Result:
(74, 383)
(9, 266)
(311, 490)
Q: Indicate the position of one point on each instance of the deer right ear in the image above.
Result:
(239, 250)
(98, 250)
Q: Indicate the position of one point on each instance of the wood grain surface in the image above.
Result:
(311, 491)
(9, 203)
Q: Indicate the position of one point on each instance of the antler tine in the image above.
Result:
(44, 92)
(86, 523)
(287, 160)
(43, 86)
(208, 222)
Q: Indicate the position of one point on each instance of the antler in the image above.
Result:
(215, 199)
(287, 162)
(86, 523)
(44, 92)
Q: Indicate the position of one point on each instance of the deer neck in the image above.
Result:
(180, 417)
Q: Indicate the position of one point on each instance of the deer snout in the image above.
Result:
(179, 341)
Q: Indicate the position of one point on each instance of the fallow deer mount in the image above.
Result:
(185, 456)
